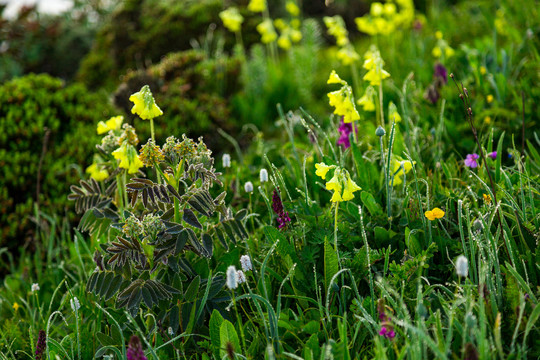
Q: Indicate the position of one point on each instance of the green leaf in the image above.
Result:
(499, 158)
(228, 337)
(193, 289)
(371, 204)
(331, 265)
(190, 218)
(215, 324)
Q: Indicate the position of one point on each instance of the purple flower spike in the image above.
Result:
(441, 73)
(493, 155)
(345, 130)
(470, 161)
(277, 205)
(383, 331)
(135, 351)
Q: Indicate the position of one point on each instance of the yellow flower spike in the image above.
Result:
(113, 123)
(489, 99)
(96, 173)
(436, 213)
(347, 55)
(335, 79)
(366, 101)
(232, 19)
(375, 77)
(257, 5)
(292, 8)
(144, 104)
(376, 9)
(350, 188)
(393, 113)
(284, 42)
(128, 158)
(267, 31)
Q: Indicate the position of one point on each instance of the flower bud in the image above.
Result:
(226, 160)
(248, 187)
(462, 266)
(263, 175)
(380, 132)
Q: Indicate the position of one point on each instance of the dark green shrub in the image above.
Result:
(44, 43)
(141, 32)
(193, 88)
(30, 107)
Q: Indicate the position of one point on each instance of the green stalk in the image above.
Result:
(239, 323)
(152, 130)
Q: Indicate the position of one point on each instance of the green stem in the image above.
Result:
(239, 324)
(335, 230)
(381, 109)
(152, 130)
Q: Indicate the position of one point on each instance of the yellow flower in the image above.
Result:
(292, 8)
(335, 79)
(336, 28)
(389, 9)
(436, 52)
(487, 120)
(489, 98)
(436, 213)
(438, 35)
(257, 5)
(96, 173)
(128, 158)
(483, 70)
(144, 104)
(16, 306)
(350, 187)
(295, 23)
(232, 19)
(284, 42)
(266, 29)
(366, 101)
(487, 198)
(113, 123)
(397, 171)
(296, 35)
(347, 55)
(374, 64)
(393, 113)
(449, 52)
(376, 9)
(280, 24)
(336, 197)
(322, 169)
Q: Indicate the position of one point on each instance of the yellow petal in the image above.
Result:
(322, 169)
(437, 213)
(430, 215)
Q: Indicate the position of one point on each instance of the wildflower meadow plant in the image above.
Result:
(155, 223)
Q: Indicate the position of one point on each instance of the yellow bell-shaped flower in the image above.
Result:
(144, 104)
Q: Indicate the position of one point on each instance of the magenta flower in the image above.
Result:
(493, 155)
(470, 161)
(345, 130)
(277, 205)
(135, 351)
(387, 333)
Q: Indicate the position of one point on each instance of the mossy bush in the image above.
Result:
(194, 88)
(139, 33)
(44, 120)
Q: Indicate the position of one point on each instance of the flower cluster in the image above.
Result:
(441, 47)
(277, 205)
(440, 78)
(127, 154)
(387, 329)
(336, 27)
(232, 19)
(236, 277)
(384, 19)
(374, 63)
(267, 31)
(400, 169)
(257, 6)
(289, 33)
(367, 100)
(112, 124)
(134, 350)
(97, 170)
(342, 99)
(144, 104)
(341, 183)
(344, 131)
(41, 345)
(151, 154)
